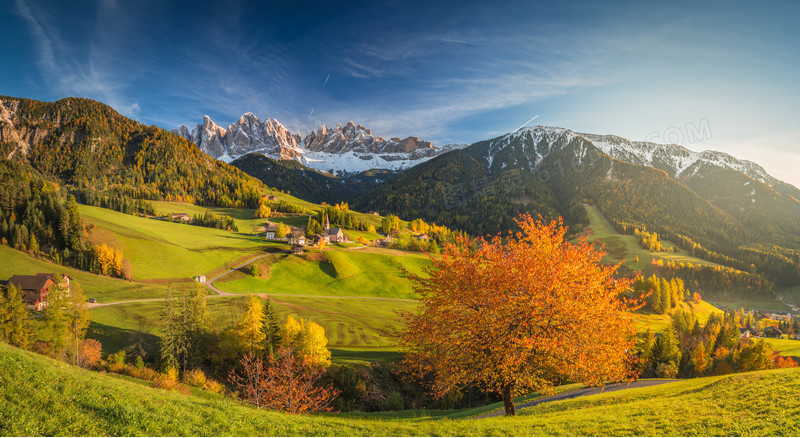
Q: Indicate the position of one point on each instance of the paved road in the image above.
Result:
(210, 283)
(582, 393)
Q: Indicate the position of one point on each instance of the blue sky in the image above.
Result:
(445, 71)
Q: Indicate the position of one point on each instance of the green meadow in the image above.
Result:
(72, 401)
(105, 289)
(341, 272)
(621, 247)
(358, 329)
(164, 250)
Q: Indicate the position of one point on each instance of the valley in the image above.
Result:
(248, 248)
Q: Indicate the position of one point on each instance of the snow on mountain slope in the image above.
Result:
(348, 148)
(528, 147)
(673, 158)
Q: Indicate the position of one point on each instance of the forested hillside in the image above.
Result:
(306, 183)
(550, 171)
(92, 149)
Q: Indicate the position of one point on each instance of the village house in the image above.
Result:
(421, 237)
(773, 332)
(199, 278)
(270, 230)
(744, 333)
(322, 238)
(181, 217)
(296, 237)
(270, 198)
(297, 249)
(35, 288)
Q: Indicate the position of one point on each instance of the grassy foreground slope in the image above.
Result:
(44, 397)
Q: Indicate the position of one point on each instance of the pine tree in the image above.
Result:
(169, 334)
(15, 327)
(57, 319)
(272, 329)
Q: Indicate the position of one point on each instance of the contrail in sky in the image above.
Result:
(326, 80)
(523, 125)
(309, 114)
(458, 41)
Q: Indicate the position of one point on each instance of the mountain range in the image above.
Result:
(712, 204)
(343, 148)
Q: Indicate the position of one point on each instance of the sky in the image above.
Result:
(706, 75)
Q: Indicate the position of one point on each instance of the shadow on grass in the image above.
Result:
(114, 339)
(345, 355)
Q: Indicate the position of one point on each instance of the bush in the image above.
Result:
(213, 386)
(667, 370)
(169, 380)
(141, 372)
(90, 353)
(394, 402)
(116, 361)
(195, 378)
(254, 271)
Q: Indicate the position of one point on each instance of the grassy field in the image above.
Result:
(105, 289)
(343, 272)
(163, 250)
(44, 397)
(621, 247)
(786, 347)
(659, 323)
(357, 329)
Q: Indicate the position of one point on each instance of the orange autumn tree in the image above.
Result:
(518, 314)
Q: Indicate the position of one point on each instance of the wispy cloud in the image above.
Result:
(77, 72)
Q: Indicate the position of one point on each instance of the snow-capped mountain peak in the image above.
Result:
(344, 148)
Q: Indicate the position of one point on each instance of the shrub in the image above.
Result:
(394, 402)
(213, 386)
(141, 372)
(169, 380)
(116, 361)
(667, 370)
(90, 353)
(195, 378)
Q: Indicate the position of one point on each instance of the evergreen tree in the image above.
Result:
(58, 320)
(15, 327)
(170, 337)
(272, 329)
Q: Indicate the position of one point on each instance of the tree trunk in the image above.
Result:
(508, 401)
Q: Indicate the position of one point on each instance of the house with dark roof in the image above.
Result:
(773, 332)
(34, 289)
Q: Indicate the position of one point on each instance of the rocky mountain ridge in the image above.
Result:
(343, 148)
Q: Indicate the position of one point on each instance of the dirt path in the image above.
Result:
(582, 393)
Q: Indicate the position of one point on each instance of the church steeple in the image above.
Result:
(327, 224)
